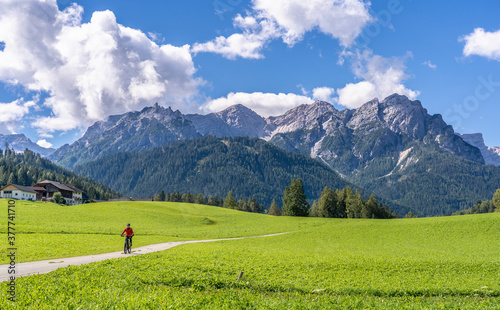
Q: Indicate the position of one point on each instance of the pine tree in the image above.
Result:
(496, 200)
(327, 204)
(295, 200)
(274, 209)
(314, 212)
(160, 196)
(254, 205)
(213, 201)
(354, 205)
(370, 208)
(229, 201)
(12, 178)
(200, 199)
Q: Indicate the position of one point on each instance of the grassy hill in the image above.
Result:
(446, 262)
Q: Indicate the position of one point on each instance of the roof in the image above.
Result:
(76, 189)
(58, 185)
(21, 188)
(37, 188)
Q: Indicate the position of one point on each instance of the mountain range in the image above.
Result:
(393, 147)
(308, 129)
(19, 142)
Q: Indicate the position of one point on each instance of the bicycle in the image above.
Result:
(127, 248)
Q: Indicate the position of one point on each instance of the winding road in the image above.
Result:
(46, 266)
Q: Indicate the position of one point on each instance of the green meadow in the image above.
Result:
(426, 263)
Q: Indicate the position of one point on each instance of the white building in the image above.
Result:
(18, 192)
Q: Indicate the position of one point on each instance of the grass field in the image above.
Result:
(429, 263)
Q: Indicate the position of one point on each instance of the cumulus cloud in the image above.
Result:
(341, 19)
(380, 76)
(11, 113)
(249, 44)
(90, 70)
(44, 143)
(482, 43)
(264, 104)
(290, 20)
(324, 94)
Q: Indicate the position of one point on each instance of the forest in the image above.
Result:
(28, 168)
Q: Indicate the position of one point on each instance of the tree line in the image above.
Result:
(341, 203)
(487, 206)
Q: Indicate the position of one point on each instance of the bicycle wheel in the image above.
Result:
(125, 247)
(129, 246)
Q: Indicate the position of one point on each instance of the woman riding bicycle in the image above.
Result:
(129, 233)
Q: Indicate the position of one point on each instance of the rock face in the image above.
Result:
(349, 140)
(491, 154)
(133, 131)
(352, 138)
(234, 121)
(20, 142)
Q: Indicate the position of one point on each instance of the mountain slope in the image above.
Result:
(28, 168)
(20, 142)
(377, 146)
(213, 166)
(133, 131)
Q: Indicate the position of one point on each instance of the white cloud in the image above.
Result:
(429, 64)
(380, 76)
(264, 104)
(342, 19)
(482, 43)
(248, 44)
(11, 113)
(324, 94)
(90, 70)
(289, 20)
(44, 143)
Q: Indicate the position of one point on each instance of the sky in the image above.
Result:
(65, 65)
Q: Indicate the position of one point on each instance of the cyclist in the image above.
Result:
(129, 233)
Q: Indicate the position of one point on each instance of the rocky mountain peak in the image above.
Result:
(491, 155)
(19, 142)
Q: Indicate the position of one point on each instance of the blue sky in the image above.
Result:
(65, 65)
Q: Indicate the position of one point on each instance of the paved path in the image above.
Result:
(45, 266)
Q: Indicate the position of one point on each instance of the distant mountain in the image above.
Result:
(491, 154)
(249, 167)
(133, 131)
(20, 142)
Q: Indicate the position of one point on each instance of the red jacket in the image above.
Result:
(129, 231)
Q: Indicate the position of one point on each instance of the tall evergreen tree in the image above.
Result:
(229, 201)
(274, 209)
(327, 204)
(295, 200)
(354, 205)
(12, 178)
(370, 208)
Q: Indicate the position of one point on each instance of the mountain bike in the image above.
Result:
(127, 248)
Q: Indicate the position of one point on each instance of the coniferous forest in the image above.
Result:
(250, 168)
(28, 168)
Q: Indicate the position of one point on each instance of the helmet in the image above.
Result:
(128, 224)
